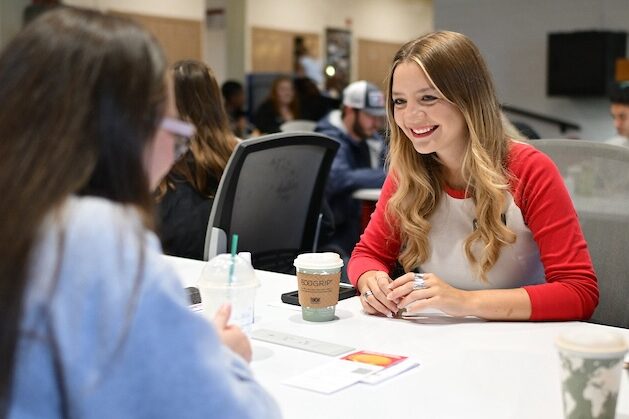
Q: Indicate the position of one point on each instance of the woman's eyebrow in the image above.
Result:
(424, 90)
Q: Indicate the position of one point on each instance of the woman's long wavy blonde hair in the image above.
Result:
(455, 67)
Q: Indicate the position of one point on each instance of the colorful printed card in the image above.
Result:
(375, 358)
(392, 365)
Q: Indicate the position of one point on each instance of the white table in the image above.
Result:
(469, 368)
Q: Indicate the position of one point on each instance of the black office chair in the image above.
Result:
(270, 195)
(596, 175)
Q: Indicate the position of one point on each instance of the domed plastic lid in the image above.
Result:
(592, 341)
(325, 260)
(226, 271)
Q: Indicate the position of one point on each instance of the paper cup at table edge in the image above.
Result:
(579, 342)
(324, 263)
(582, 344)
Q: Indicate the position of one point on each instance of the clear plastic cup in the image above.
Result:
(318, 277)
(591, 368)
(229, 279)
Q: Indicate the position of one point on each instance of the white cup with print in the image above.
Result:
(591, 367)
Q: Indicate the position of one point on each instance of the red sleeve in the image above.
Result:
(379, 245)
(571, 290)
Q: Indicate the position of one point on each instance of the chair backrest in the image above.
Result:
(270, 194)
(597, 176)
(298, 125)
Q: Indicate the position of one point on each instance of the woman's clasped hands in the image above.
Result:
(412, 293)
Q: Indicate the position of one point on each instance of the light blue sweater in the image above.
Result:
(129, 345)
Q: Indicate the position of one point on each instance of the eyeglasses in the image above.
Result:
(182, 131)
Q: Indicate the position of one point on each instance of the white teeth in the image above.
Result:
(422, 131)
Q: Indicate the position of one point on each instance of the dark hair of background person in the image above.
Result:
(273, 96)
(82, 96)
(230, 88)
(619, 93)
(299, 50)
(234, 100)
(313, 105)
(199, 101)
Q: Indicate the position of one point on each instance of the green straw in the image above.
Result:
(234, 247)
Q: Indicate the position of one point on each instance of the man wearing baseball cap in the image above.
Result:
(353, 168)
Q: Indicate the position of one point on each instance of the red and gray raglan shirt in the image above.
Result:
(549, 258)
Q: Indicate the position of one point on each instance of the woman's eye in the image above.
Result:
(398, 102)
(429, 98)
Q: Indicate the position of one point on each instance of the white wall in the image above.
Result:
(389, 21)
(183, 9)
(215, 50)
(392, 20)
(512, 36)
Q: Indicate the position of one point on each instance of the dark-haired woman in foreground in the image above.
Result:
(93, 323)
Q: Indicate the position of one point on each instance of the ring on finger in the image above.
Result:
(367, 294)
(418, 282)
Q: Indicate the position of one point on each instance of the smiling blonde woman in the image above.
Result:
(486, 219)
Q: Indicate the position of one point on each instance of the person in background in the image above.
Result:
(305, 65)
(185, 196)
(93, 320)
(279, 107)
(352, 168)
(486, 221)
(619, 109)
(312, 104)
(234, 100)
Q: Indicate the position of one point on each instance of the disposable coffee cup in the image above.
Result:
(229, 279)
(591, 369)
(318, 277)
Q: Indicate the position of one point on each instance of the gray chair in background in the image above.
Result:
(597, 176)
(298, 125)
(270, 194)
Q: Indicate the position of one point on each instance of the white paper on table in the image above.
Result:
(333, 376)
(389, 372)
(285, 306)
